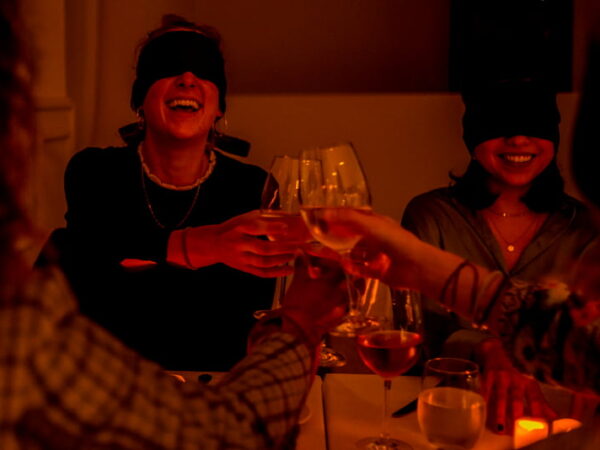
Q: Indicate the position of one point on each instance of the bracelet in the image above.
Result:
(452, 284)
(184, 249)
(482, 312)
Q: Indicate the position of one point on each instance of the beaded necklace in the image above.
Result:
(145, 171)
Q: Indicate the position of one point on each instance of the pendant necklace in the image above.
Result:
(511, 246)
(506, 214)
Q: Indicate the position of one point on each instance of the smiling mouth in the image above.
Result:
(184, 104)
(517, 159)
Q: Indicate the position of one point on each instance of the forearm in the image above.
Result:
(460, 286)
(181, 252)
(266, 389)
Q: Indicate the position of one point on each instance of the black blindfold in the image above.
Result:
(510, 110)
(175, 53)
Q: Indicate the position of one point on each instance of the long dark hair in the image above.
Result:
(544, 195)
(16, 142)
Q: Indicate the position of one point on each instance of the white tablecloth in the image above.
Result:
(353, 410)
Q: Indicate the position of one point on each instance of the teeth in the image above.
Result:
(518, 158)
(184, 103)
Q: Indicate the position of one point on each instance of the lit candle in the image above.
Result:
(564, 425)
(529, 430)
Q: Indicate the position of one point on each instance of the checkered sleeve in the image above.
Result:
(67, 383)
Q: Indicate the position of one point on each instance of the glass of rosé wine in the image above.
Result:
(390, 352)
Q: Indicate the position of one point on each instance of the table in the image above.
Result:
(347, 407)
(353, 409)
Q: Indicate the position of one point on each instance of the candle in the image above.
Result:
(529, 430)
(564, 425)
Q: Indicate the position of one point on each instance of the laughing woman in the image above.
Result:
(507, 213)
(163, 242)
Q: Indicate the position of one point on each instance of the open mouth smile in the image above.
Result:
(184, 104)
(514, 158)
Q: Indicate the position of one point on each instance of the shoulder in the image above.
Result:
(92, 157)
(428, 202)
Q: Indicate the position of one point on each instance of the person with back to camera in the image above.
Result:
(163, 242)
(508, 212)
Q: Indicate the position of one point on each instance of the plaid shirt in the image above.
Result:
(66, 383)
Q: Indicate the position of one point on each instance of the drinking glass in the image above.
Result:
(279, 201)
(451, 411)
(332, 178)
(389, 351)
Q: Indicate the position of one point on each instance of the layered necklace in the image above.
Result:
(511, 245)
(145, 172)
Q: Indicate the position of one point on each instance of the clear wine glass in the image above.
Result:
(279, 201)
(451, 410)
(332, 178)
(389, 351)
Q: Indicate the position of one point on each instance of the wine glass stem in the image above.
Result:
(353, 296)
(385, 423)
(280, 291)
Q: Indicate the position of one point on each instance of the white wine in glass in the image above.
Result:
(279, 201)
(331, 179)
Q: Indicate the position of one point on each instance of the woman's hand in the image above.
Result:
(239, 243)
(508, 393)
(388, 252)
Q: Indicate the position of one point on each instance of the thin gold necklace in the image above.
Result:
(505, 214)
(512, 246)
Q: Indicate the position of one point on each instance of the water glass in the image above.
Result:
(451, 410)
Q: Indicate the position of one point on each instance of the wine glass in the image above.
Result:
(389, 351)
(451, 411)
(279, 201)
(332, 178)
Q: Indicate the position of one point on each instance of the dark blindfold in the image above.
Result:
(175, 53)
(510, 111)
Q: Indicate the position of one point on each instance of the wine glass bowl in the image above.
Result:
(331, 178)
(451, 411)
(389, 353)
(280, 192)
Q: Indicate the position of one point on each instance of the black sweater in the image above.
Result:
(183, 319)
